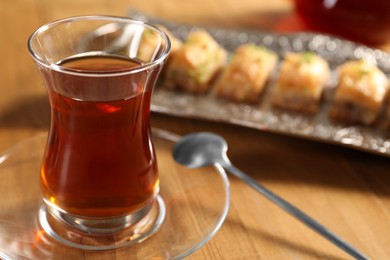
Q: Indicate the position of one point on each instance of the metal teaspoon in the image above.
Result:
(204, 149)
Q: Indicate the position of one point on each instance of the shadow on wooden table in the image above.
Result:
(31, 112)
(293, 160)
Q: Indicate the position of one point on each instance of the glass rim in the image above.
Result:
(142, 67)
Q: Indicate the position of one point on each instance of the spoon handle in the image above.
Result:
(297, 213)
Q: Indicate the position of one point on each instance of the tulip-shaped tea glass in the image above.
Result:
(99, 175)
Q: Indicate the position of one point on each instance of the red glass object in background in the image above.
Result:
(365, 21)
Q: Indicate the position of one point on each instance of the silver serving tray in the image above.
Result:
(262, 115)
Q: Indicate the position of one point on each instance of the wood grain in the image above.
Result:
(347, 190)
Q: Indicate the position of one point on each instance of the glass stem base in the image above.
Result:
(102, 234)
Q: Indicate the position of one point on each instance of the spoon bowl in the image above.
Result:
(200, 150)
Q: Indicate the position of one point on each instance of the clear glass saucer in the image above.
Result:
(196, 200)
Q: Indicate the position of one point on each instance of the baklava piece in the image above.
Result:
(150, 40)
(176, 43)
(360, 93)
(246, 74)
(196, 64)
(301, 82)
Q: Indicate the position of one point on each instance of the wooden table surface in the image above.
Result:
(346, 190)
